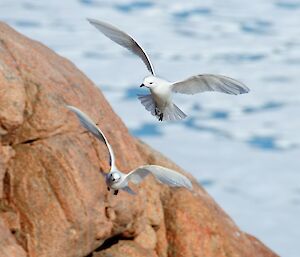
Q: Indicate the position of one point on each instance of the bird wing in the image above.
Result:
(124, 40)
(87, 122)
(209, 82)
(164, 175)
(128, 190)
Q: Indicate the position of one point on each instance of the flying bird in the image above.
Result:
(159, 101)
(116, 179)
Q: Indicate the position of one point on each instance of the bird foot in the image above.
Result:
(156, 111)
(161, 116)
(116, 192)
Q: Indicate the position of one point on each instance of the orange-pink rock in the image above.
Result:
(53, 198)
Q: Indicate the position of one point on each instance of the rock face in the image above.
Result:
(53, 198)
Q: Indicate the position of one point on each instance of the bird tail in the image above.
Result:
(148, 102)
(172, 112)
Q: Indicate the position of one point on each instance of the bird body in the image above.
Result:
(115, 179)
(159, 102)
(162, 95)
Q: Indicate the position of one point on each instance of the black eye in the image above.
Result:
(151, 83)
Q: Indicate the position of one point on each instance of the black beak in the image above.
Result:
(142, 85)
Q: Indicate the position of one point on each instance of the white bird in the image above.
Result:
(116, 179)
(159, 102)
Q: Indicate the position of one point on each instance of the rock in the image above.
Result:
(147, 238)
(126, 249)
(8, 244)
(194, 225)
(53, 198)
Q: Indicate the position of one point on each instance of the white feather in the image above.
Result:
(87, 123)
(172, 113)
(148, 102)
(209, 82)
(124, 40)
(162, 174)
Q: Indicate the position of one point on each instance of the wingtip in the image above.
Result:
(189, 185)
(92, 21)
(245, 90)
(74, 109)
(70, 107)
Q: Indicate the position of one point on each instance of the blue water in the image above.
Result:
(243, 149)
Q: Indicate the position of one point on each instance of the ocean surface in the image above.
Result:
(245, 150)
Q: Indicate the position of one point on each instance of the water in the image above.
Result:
(244, 150)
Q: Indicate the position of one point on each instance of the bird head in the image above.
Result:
(113, 177)
(150, 82)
